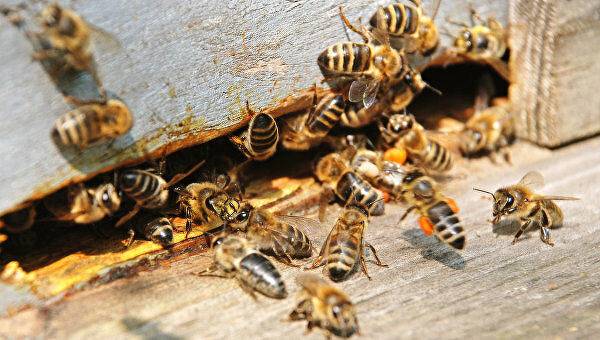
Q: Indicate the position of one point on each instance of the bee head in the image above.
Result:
(118, 118)
(429, 34)
(330, 167)
(51, 15)
(464, 41)
(471, 142)
(239, 220)
(506, 202)
(108, 198)
(400, 123)
(343, 319)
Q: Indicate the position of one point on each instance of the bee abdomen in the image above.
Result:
(301, 245)
(144, 188)
(356, 117)
(76, 127)
(447, 225)
(159, 230)
(398, 19)
(438, 157)
(327, 115)
(346, 57)
(341, 261)
(352, 188)
(258, 272)
(263, 134)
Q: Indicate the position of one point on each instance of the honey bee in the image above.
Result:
(308, 130)
(82, 205)
(482, 42)
(278, 235)
(347, 185)
(490, 130)
(418, 32)
(438, 213)
(156, 229)
(18, 221)
(326, 307)
(520, 202)
(148, 189)
(259, 141)
(65, 42)
(404, 92)
(208, 203)
(91, 123)
(366, 64)
(402, 130)
(236, 257)
(344, 248)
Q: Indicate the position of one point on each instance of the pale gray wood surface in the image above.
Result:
(555, 49)
(491, 290)
(214, 55)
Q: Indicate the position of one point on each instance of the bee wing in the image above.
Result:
(449, 125)
(104, 39)
(553, 198)
(449, 140)
(307, 225)
(532, 179)
(310, 282)
(357, 90)
(370, 95)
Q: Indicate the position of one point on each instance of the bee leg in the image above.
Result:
(247, 289)
(408, 211)
(300, 312)
(507, 156)
(128, 216)
(318, 262)
(130, 238)
(353, 28)
(545, 236)
(188, 227)
(363, 265)
(326, 196)
(377, 260)
(522, 229)
(177, 178)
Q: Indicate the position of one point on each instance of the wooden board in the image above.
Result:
(555, 49)
(492, 289)
(185, 69)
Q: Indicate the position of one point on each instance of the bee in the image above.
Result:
(438, 213)
(356, 115)
(326, 307)
(309, 129)
(482, 42)
(259, 141)
(490, 130)
(148, 189)
(91, 123)
(347, 185)
(278, 235)
(520, 202)
(418, 32)
(19, 221)
(402, 130)
(404, 92)
(344, 248)
(208, 203)
(236, 257)
(82, 205)
(156, 229)
(366, 64)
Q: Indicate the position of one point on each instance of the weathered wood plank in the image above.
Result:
(490, 290)
(555, 48)
(185, 69)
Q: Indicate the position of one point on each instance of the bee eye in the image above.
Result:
(336, 311)
(241, 217)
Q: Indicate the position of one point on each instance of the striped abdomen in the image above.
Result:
(356, 116)
(147, 189)
(352, 188)
(326, 115)
(263, 136)
(345, 58)
(397, 19)
(79, 127)
(446, 225)
(259, 273)
(343, 256)
(158, 230)
(436, 157)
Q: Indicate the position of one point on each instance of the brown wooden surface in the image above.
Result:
(491, 290)
(555, 52)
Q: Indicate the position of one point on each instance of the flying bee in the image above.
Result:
(438, 213)
(490, 130)
(520, 202)
(341, 181)
(82, 205)
(148, 189)
(326, 307)
(20, 220)
(259, 141)
(92, 122)
(154, 228)
(402, 130)
(482, 42)
(278, 235)
(344, 248)
(366, 64)
(417, 32)
(236, 257)
(208, 203)
(308, 130)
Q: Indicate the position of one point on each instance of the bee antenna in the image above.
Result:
(436, 10)
(486, 192)
(433, 89)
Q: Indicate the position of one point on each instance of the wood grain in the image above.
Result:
(491, 290)
(555, 48)
(185, 69)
